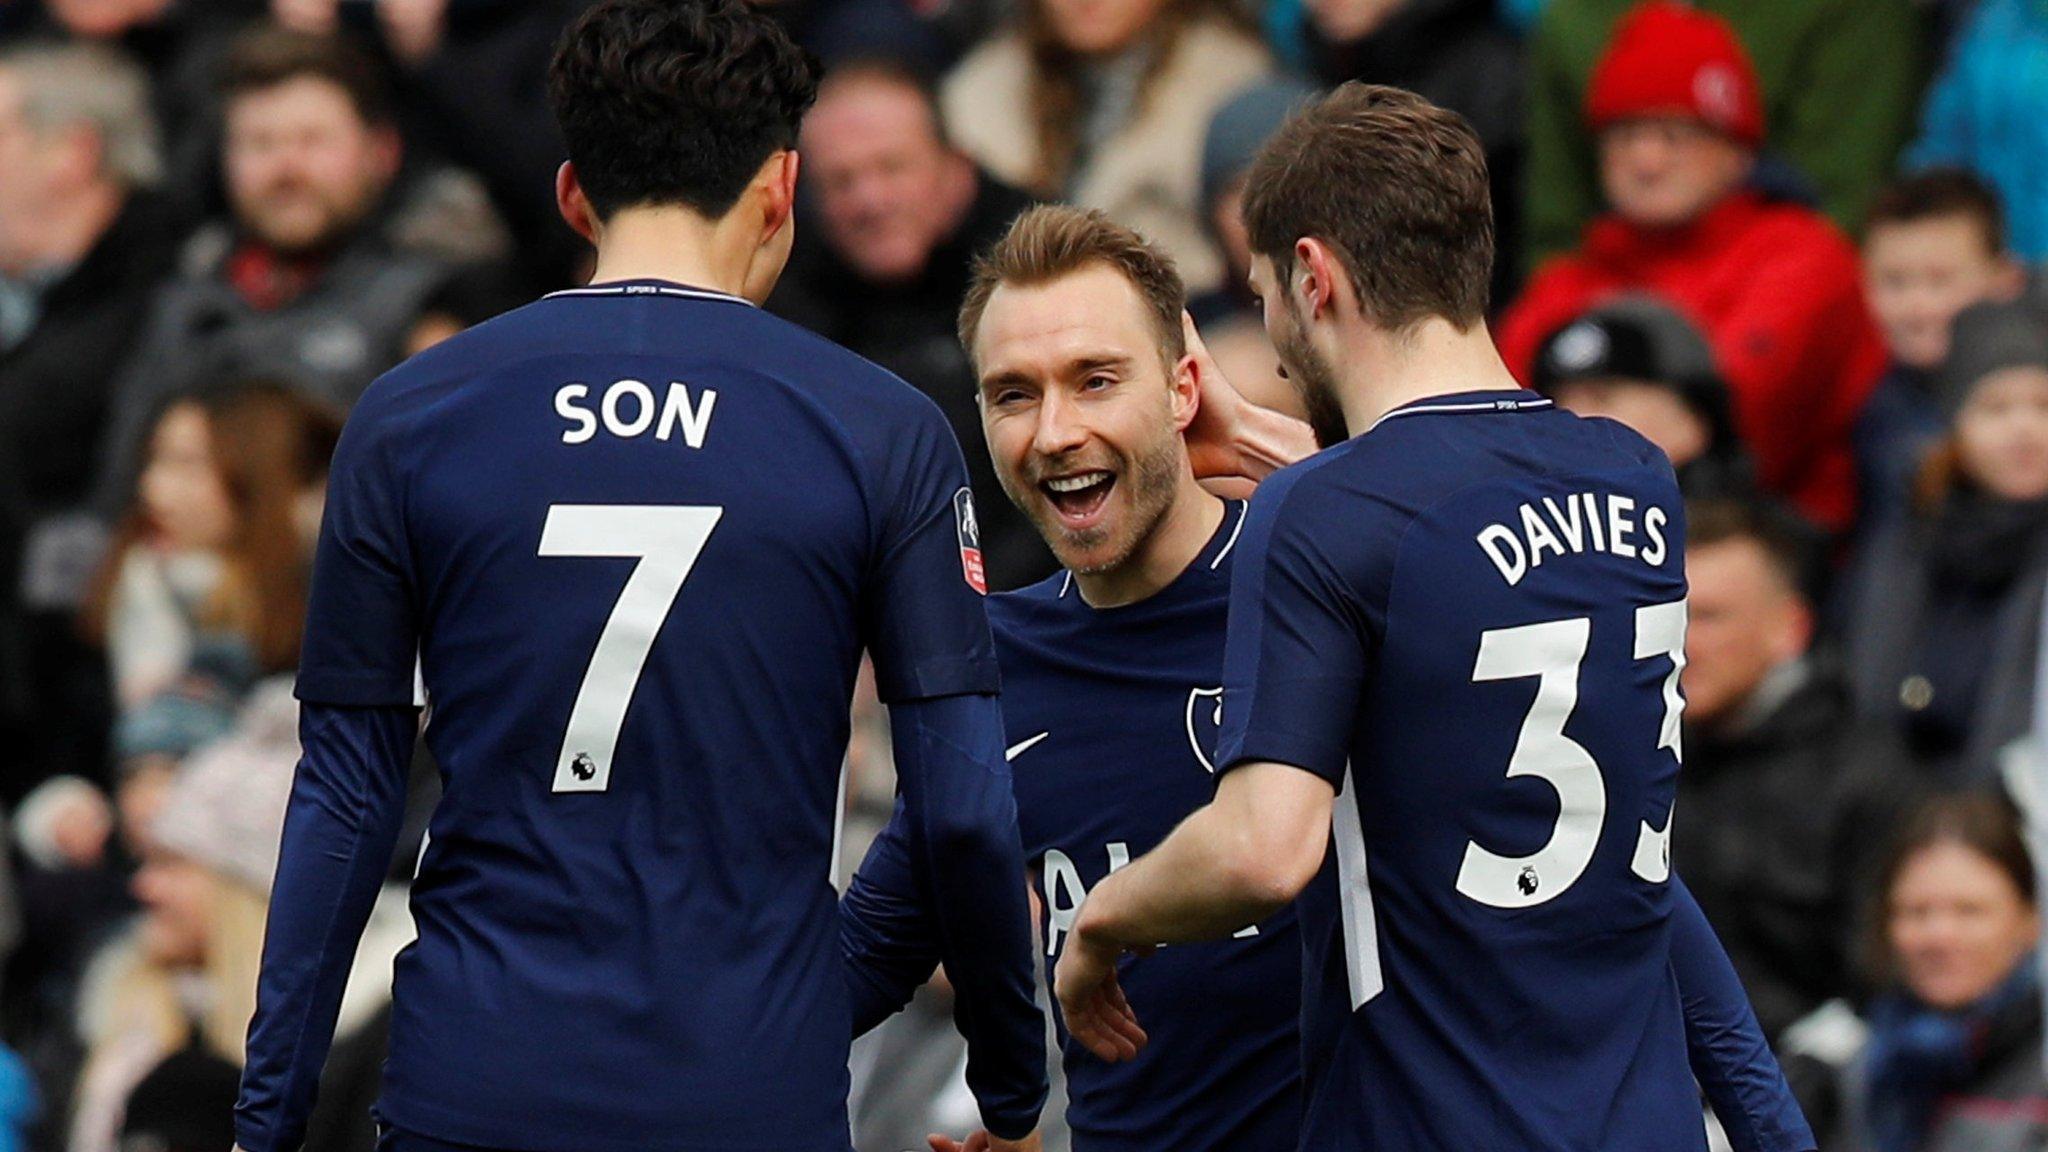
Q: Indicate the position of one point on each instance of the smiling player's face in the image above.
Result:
(1082, 414)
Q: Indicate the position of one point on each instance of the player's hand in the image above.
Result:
(1213, 436)
(1093, 1003)
(1231, 437)
(983, 1142)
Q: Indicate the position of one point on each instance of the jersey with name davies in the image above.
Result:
(1111, 717)
(1470, 621)
(638, 537)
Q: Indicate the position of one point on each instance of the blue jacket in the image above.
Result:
(1984, 113)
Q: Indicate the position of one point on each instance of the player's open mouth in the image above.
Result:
(1079, 498)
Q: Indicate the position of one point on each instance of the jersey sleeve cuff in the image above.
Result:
(1295, 749)
(932, 679)
(1014, 1123)
(356, 689)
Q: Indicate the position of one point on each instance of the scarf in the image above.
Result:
(1917, 1055)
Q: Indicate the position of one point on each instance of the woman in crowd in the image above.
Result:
(1105, 103)
(1944, 607)
(1953, 1059)
(204, 590)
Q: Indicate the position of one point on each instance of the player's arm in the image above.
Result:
(1294, 667)
(962, 819)
(887, 936)
(347, 804)
(1235, 861)
(1729, 1055)
(935, 667)
(356, 728)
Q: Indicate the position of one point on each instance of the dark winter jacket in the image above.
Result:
(1942, 623)
(56, 390)
(1780, 816)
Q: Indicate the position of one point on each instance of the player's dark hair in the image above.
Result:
(1053, 240)
(267, 55)
(676, 102)
(1940, 194)
(1396, 186)
(1796, 550)
(1983, 822)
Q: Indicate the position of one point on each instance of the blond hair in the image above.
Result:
(1054, 240)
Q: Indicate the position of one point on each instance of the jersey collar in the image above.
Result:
(1489, 400)
(1222, 543)
(650, 288)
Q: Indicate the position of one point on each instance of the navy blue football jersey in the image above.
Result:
(1470, 620)
(1111, 715)
(637, 537)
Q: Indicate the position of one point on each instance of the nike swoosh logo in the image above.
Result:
(1016, 750)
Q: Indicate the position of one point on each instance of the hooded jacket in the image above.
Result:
(1776, 290)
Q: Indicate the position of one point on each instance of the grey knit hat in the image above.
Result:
(1240, 126)
(1990, 338)
(226, 807)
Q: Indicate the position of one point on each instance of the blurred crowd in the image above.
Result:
(1797, 244)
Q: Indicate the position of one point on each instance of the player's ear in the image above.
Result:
(573, 204)
(1185, 381)
(1314, 277)
(779, 185)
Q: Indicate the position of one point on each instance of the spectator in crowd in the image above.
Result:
(83, 242)
(1104, 103)
(205, 586)
(1455, 52)
(1934, 245)
(1984, 113)
(307, 285)
(469, 77)
(1775, 287)
(1786, 794)
(180, 44)
(1836, 81)
(896, 214)
(167, 1008)
(1953, 1059)
(1228, 318)
(1944, 608)
(1639, 361)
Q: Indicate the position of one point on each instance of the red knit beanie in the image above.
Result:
(1670, 58)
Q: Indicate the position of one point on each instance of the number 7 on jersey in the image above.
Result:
(667, 541)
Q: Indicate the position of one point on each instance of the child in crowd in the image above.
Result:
(1935, 244)
(1944, 603)
(1953, 1059)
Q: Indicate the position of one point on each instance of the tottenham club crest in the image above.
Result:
(970, 541)
(1205, 723)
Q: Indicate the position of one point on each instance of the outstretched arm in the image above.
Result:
(1233, 862)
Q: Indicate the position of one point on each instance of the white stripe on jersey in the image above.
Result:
(1242, 510)
(651, 290)
(1354, 888)
(1482, 406)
